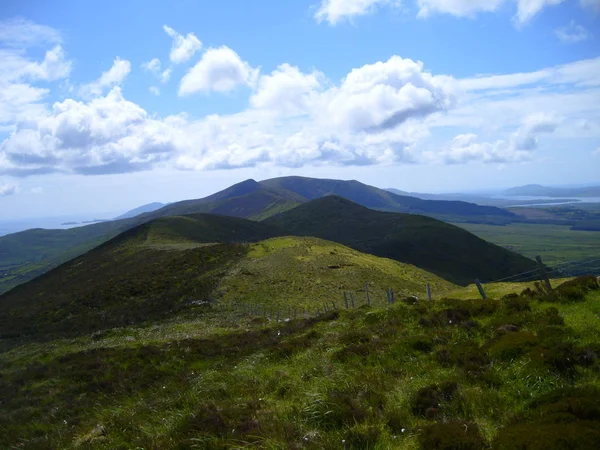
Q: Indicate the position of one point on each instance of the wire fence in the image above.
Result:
(356, 299)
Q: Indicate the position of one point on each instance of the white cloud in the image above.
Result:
(386, 94)
(152, 66)
(526, 9)
(19, 97)
(517, 148)
(334, 11)
(154, 90)
(7, 189)
(23, 33)
(572, 33)
(460, 8)
(183, 47)
(221, 70)
(165, 75)
(112, 77)
(287, 90)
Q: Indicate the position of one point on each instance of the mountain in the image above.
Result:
(164, 267)
(441, 248)
(141, 210)
(30, 253)
(544, 191)
(380, 199)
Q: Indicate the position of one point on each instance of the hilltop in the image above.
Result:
(438, 247)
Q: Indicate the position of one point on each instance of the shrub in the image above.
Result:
(513, 345)
(455, 435)
(428, 401)
(362, 437)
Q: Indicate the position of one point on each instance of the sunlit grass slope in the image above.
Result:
(305, 272)
(521, 372)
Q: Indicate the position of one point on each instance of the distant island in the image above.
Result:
(69, 223)
(85, 222)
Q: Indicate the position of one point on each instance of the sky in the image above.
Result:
(105, 106)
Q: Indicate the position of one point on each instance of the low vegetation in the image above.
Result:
(517, 372)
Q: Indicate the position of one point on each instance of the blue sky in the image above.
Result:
(108, 105)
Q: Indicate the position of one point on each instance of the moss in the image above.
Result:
(567, 418)
(513, 345)
(572, 291)
(455, 435)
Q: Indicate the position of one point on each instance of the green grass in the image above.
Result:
(386, 377)
(305, 272)
(556, 244)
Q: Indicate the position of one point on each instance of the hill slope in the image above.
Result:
(147, 272)
(166, 266)
(438, 247)
(141, 210)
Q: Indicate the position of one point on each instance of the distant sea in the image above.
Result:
(546, 200)
(51, 223)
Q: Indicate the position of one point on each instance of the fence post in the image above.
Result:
(481, 291)
(428, 292)
(352, 298)
(543, 274)
(345, 300)
(391, 296)
(367, 292)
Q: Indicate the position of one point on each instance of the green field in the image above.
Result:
(556, 244)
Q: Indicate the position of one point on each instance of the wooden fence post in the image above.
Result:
(480, 288)
(428, 292)
(352, 298)
(543, 274)
(367, 293)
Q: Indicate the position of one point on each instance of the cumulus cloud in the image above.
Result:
(183, 47)
(107, 135)
(386, 94)
(572, 33)
(519, 146)
(334, 11)
(112, 77)
(221, 70)
(526, 9)
(287, 90)
(7, 189)
(19, 96)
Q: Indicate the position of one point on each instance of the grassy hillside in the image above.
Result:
(305, 272)
(173, 264)
(521, 372)
(438, 247)
(145, 273)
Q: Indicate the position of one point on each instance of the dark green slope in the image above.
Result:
(148, 272)
(438, 247)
